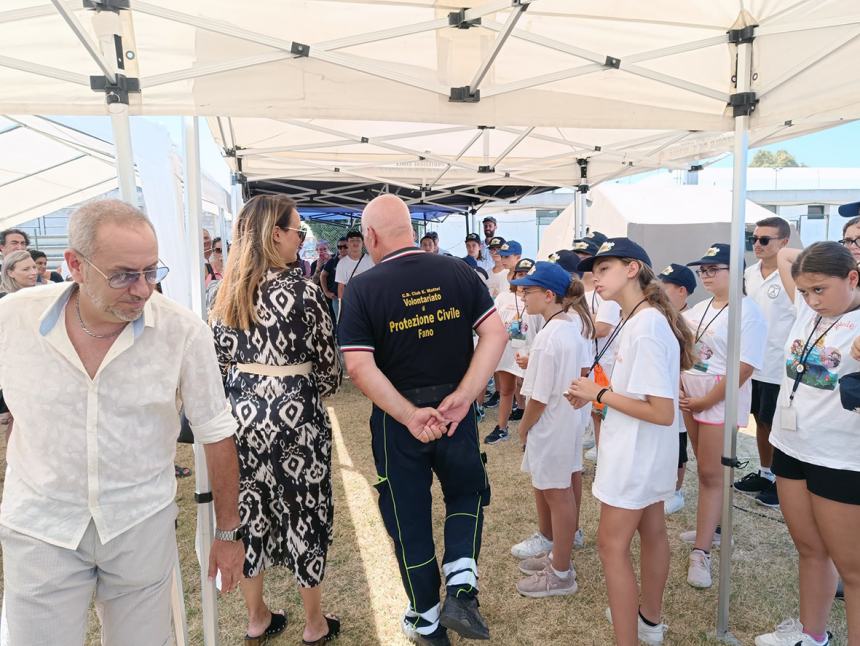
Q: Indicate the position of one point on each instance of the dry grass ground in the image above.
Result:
(363, 587)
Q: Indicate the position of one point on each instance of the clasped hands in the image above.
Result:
(581, 392)
(429, 424)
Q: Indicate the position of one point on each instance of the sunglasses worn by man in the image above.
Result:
(763, 240)
(124, 279)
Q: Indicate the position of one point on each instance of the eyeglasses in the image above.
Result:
(850, 242)
(123, 279)
(710, 273)
(342, 246)
(763, 240)
(217, 249)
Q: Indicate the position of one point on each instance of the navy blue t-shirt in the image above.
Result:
(416, 312)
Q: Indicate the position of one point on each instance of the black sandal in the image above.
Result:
(276, 627)
(333, 631)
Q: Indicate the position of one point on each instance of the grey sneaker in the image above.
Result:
(547, 584)
(699, 572)
(535, 565)
(463, 617)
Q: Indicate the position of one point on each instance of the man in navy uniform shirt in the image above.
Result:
(406, 331)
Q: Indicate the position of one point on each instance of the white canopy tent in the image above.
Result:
(775, 68)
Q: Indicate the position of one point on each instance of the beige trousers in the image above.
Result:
(48, 589)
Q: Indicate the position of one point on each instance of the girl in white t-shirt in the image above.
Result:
(550, 429)
(817, 441)
(704, 392)
(497, 282)
(636, 465)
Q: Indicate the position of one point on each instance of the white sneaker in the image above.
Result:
(535, 545)
(788, 633)
(647, 634)
(578, 540)
(699, 573)
(591, 454)
(588, 436)
(674, 503)
(689, 537)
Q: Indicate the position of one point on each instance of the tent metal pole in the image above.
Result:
(739, 191)
(121, 127)
(202, 489)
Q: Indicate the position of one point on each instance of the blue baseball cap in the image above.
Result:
(718, 253)
(596, 237)
(567, 260)
(616, 248)
(850, 210)
(679, 275)
(511, 248)
(547, 275)
(585, 246)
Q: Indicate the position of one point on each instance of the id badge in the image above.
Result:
(788, 418)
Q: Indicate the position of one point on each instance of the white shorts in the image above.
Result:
(701, 385)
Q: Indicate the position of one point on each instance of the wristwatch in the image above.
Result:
(230, 534)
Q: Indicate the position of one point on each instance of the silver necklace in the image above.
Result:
(86, 329)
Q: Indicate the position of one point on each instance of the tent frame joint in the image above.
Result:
(115, 92)
(300, 49)
(743, 35)
(732, 462)
(107, 5)
(464, 95)
(612, 62)
(743, 103)
(486, 169)
(457, 19)
(203, 498)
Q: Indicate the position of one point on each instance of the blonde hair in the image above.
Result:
(252, 254)
(7, 283)
(574, 300)
(84, 223)
(657, 299)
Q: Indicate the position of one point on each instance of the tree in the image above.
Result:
(779, 159)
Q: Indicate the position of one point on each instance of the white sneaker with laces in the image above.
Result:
(699, 572)
(674, 503)
(690, 538)
(788, 633)
(535, 545)
(588, 436)
(591, 454)
(578, 540)
(647, 634)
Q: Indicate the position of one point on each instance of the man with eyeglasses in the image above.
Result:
(851, 229)
(88, 502)
(764, 286)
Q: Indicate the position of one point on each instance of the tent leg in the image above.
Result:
(120, 124)
(203, 494)
(583, 212)
(739, 192)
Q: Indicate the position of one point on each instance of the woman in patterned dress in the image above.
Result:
(275, 344)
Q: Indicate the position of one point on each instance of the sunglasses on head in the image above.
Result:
(763, 240)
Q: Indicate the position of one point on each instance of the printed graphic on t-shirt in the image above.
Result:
(704, 352)
(773, 291)
(821, 365)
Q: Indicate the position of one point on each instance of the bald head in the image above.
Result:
(387, 225)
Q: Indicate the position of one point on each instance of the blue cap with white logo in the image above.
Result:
(679, 275)
(511, 248)
(718, 253)
(547, 275)
(616, 248)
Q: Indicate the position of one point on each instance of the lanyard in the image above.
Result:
(552, 317)
(804, 355)
(699, 334)
(612, 336)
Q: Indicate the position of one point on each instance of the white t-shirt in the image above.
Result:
(346, 264)
(637, 464)
(603, 311)
(712, 327)
(558, 356)
(522, 329)
(827, 434)
(498, 282)
(769, 294)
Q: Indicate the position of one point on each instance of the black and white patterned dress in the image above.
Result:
(284, 434)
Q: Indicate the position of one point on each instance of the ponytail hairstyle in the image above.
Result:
(657, 299)
(574, 300)
(826, 258)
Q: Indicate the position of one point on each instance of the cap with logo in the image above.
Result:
(616, 248)
(473, 237)
(567, 260)
(547, 275)
(524, 264)
(597, 237)
(585, 246)
(679, 275)
(718, 253)
(511, 248)
(850, 210)
(496, 242)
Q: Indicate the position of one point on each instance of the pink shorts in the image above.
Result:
(701, 385)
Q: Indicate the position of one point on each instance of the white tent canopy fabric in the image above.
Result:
(546, 63)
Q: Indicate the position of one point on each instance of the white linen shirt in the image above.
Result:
(100, 448)
(769, 294)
